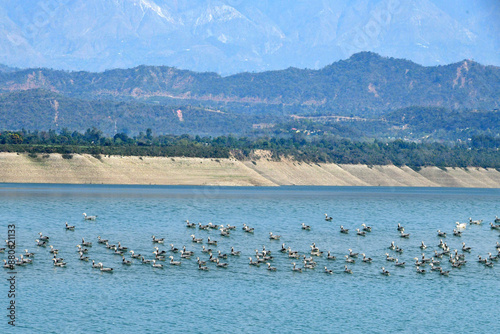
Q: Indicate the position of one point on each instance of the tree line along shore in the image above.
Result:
(480, 151)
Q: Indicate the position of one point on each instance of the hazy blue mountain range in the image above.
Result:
(365, 84)
(232, 36)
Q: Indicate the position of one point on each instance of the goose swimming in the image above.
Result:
(349, 260)
(330, 257)
(327, 218)
(190, 225)
(253, 263)
(399, 250)
(194, 239)
(492, 257)
(186, 251)
(273, 236)
(306, 227)
(158, 240)
(104, 269)
(439, 255)
(481, 260)
(212, 258)
(186, 255)
(392, 246)
(143, 260)
(57, 259)
(444, 273)
(83, 258)
(213, 226)
(108, 246)
(101, 241)
(221, 264)
(494, 227)
(399, 264)
(204, 250)
(86, 243)
(389, 258)
(43, 237)
(400, 228)
(122, 248)
(69, 227)
(435, 268)
(420, 271)
(464, 248)
(95, 265)
(351, 254)
(283, 248)
(344, 230)
(403, 234)
(175, 250)
(159, 252)
(361, 233)
(59, 264)
(211, 242)
(40, 243)
(174, 263)
(441, 234)
(221, 255)
(366, 228)
(457, 233)
(224, 232)
(204, 268)
(200, 261)
(295, 269)
(85, 217)
(134, 255)
(347, 271)
(28, 254)
(269, 267)
(235, 253)
(385, 272)
(423, 246)
(202, 227)
(53, 250)
(417, 263)
(157, 265)
(366, 259)
(117, 251)
(83, 250)
(328, 271)
(475, 222)
(230, 227)
(27, 261)
(7, 266)
(308, 265)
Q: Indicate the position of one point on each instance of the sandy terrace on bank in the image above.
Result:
(19, 168)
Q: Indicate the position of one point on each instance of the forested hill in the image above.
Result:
(364, 84)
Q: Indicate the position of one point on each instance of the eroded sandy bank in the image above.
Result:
(81, 169)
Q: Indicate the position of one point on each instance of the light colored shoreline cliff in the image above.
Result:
(85, 169)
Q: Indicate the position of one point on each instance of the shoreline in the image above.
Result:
(133, 170)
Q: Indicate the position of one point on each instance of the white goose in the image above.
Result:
(270, 268)
(174, 263)
(104, 269)
(85, 217)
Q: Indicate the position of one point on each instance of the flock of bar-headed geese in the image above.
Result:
(302, 260)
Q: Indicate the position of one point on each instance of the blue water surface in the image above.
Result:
(243, 298)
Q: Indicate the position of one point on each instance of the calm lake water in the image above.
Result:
(243, 298)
